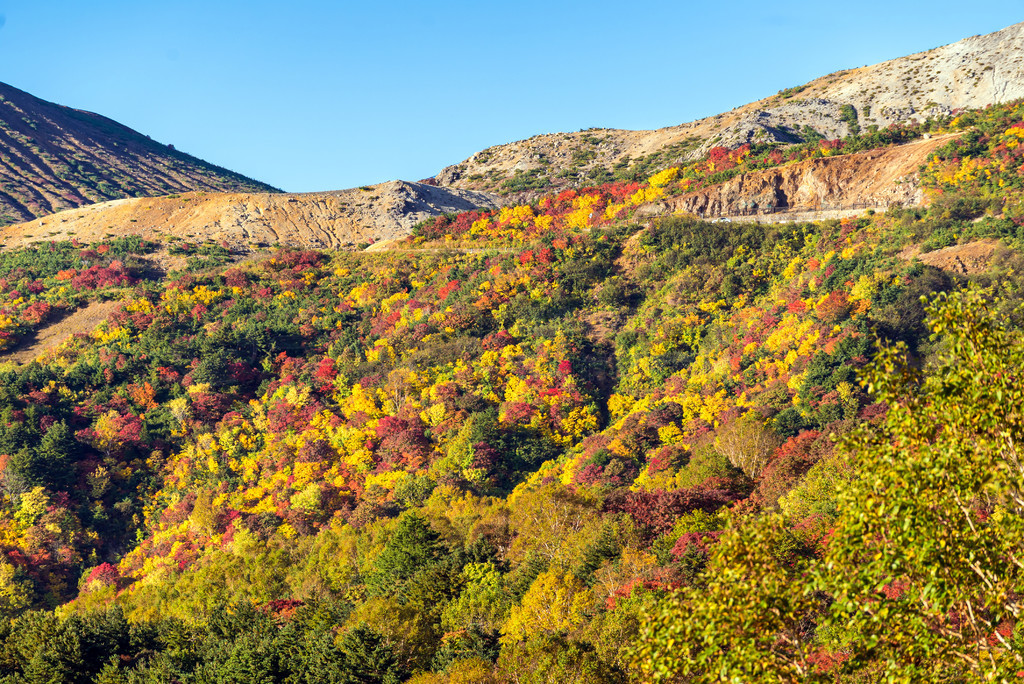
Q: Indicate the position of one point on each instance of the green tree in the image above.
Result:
(927, 560)
(553, 658)
(49, 464)
(483, 602)
(413, 546)
(368, 658)
(747, 623)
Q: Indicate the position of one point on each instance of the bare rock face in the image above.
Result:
(874, 178)
(320, 220)
(973, 72)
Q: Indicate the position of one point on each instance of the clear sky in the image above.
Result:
(319, 95)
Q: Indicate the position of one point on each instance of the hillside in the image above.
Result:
(55, 157)
(588, 448)
(240, 221)
(873, 178)
(970, 73)
(592, 437)
(388, 211)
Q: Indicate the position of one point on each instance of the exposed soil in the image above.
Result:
(881, 178)
(966, 259)
(243, 222)
(81, 320)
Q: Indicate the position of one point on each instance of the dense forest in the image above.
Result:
(549, 442)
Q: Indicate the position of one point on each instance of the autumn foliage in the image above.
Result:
(540, 437)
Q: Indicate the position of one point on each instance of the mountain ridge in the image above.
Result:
(970, 73)
(59, 158)
(54, 157)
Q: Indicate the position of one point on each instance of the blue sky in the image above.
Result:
(315, 95)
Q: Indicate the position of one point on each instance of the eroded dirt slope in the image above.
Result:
(883, 177)
(333, 220)
(967, 259)
(81, 320)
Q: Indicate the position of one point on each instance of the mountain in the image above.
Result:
(322, 220)
(970, 73)
(559, 441)
(56, 157)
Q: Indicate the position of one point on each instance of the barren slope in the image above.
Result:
(973, 72)
(966, 259)
(54, 157)
(876, 177)
(318, 220)
(82, 320)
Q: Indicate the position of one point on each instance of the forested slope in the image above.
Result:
(550, 442)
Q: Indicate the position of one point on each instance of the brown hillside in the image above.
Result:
(82, 320)
(313, 220)
(54, 157)
(881, 177)
(967, 259)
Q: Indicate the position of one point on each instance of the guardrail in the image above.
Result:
(758, 211)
